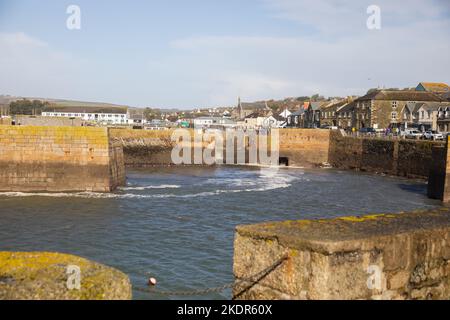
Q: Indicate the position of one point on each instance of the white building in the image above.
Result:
(213, 122)
(98, 115)
(258, 120)
(286, 113)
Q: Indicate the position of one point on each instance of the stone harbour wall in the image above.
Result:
(34, 158)
(406, 158)
(24, 120)
(392, 256)
(116, 164)
(5, 121)
(305, 147)
(439, 180)
(302, 147)
(146, 147)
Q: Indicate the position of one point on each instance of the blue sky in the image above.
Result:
(187, 54)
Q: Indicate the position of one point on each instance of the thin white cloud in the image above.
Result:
(261, 67)
(345, 18)
(333, 53)
(29, 66)
(9, 40)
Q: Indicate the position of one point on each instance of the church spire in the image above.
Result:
(240, 111)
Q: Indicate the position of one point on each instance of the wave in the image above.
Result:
(163, 186)
(98, 195)
(261, 178)
(265, 180)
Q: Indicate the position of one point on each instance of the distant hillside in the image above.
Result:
(61, 103)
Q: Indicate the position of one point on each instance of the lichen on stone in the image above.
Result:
(43, 275)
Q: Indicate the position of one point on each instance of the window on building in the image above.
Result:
(394, 115)
(394, 104)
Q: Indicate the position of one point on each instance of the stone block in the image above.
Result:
(331, 259)
(44, 276)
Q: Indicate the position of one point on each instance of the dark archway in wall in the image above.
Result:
(283, 161)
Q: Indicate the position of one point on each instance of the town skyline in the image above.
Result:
(6, 98)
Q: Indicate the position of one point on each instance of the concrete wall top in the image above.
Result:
(47, 121)
(391, 256)
(333, 235)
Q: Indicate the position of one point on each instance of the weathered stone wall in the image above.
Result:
(415, 158)
(379, 156)
(372, 155)
(302, 147)
(5, 121)
(398, 256)
(45, 276)
(117, 164)
(439, 180)
(24, 120)
(59, 159)
(406, 158)
(345, 152)
(438, 174)
(305, 147)
(146, 147)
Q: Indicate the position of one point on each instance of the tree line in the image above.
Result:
(27, 107)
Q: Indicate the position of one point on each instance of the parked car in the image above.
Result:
(368, 131)
(433, 135)
(413, 134)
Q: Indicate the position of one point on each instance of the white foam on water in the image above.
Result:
(267, 179)
(98, 195)
(163, 186)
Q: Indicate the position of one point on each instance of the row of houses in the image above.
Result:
(427, 107)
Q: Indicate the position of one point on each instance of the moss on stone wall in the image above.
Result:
(43, 276)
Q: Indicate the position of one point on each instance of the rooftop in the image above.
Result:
(437, 87)
(83, 109)
(400, 95)
(254, 105)
(334, 104)
(348, 107)
(259, 113)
